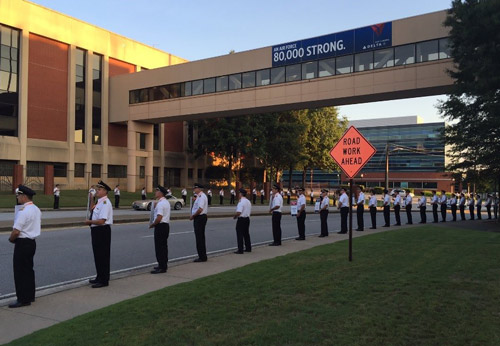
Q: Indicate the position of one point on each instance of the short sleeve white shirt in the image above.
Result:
(301, 201)
(57, 191)
(103, 210)
(244, 207)
(116, 191)
(387, 200)
(397, 200)
(373, 201)
(423, 201)
(28, 221)
(408, 200)
(200, 202)
(162, 208)
(277, 201)
(343, 200)
(325, 202)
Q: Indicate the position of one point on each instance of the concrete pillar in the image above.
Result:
(105, 117)
(88, 112)
(161, 140)
(184, 172)
(17, 177)
(132, 158)
(71, 118)
(23, 102)
(48, 180)
(149, 161)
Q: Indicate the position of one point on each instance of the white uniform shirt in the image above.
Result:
(479, 202)
(311, 194)
(221, 193)
(92, 192)
(462, 201)
(143, 192)
(443, 199)
(244, 207)
(262, 193)
(434, 199)
(209, 192)
(103, 210)
(57, 191)
(184, 192)
(343, 200)
(387, 200)
(277, 201)
(232, 192)
(397, 200)
(488, 201)
(116, 191)
(200, 202)
(373, 201)
(28, 221)
(301, 201)
(471, 201)
(162, 208)
(422, 202)
(325, 202)
(408, 200)
(361, 198)
(453, 200)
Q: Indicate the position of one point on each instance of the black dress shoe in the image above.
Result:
(93, 281)
(340, 232)
(158, 271)
(200, 260)
(321, 236)
(239, 252)
(373, 227)
(248, 250)
(273, 244)
(300, 238)
(386, 226)
(397, 224)
(99, 285)
(360, 230)
(18, 304)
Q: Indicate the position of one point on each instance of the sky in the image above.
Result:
(199, 29)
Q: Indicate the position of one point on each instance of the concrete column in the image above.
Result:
(132, 158)
(184, 172)
(149, 161)
(105, 117)
(161, 175)
(88, 111)
(23, 101)
(71, 118)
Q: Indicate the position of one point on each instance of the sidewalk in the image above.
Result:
(52, 308)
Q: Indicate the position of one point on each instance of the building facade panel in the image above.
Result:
(47, 89)
(174, 136)
(117, 67)
(117, 135)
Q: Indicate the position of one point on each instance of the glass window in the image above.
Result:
(235, 81)
(80, 86)
(96, 171)
(142, 141)
(384, 58)
(60, 169)
(430, 185)
(186, 89)
(277, 75)
(326, 67)
(222, 83)
(190, 173)
(156, 137)
(310, 70)
(427, 51)
(248, 79)
(293, 72)
(197, 86)
(142, 172)
(173, 90)
(209, 85)
(133, 96)
(404, 55)
(79, 170)
(263, 77)
(143, 95)
(444, 48)
(343, 64)
(5, 35)
(363, 61)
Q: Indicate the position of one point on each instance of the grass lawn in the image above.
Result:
(420, 286)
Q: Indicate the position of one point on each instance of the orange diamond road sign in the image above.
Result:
(352, 152)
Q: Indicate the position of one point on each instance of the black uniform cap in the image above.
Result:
(197, 185)
(162, 190)
(24, 190)
(103, 185)
(276, 186)
(324, 190)
(243, 192)
(300, 188)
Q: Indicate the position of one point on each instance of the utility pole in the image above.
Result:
(387, 166)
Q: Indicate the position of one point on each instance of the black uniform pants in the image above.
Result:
(232, 199)
(184, 198)
(471, 212)
(443, 212)
(276, 224)
(488, 210)
(397, 208)
(435, 212)
(143, 197)
(373, 215)
(462, 212)
(117, 201)
(454, 212)
(323, 216)
(408, 214)
(262, 199)
(478, 208)
(221, 200)
(312, 200)
(243, 233)
(24, 275)
(423, 215)
(387, 215)
(101, 246)
(56, 202)
(495, 211)
(209, 200)
(199, 224)
(359, 215)
(287, 199)
(344, 211)
(162, 231)
(301, 224)
(254, 198)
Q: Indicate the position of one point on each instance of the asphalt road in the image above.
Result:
(66, 254)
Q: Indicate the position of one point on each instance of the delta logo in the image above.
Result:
(378, 28)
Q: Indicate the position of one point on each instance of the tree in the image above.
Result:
(473, 106)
